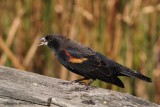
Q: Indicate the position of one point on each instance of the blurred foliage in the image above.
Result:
(127, 31)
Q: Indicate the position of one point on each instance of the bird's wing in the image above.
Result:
(91, 62)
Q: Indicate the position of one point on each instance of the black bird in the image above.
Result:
(86, 62)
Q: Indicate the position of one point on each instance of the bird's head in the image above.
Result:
(54, 41)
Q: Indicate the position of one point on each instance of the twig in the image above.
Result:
(31, 53)
(13, 58)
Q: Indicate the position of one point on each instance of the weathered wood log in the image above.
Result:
(22, 89)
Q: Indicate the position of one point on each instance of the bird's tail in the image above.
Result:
(131, 73)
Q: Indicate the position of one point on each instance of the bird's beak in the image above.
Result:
(42, 41)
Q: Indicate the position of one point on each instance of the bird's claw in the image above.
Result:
(65, 83)
(79, 82)
(87, 87)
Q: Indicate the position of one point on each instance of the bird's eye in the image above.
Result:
(48, 38)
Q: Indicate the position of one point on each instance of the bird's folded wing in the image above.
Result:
(87, 62)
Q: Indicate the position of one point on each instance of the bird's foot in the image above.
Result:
(71, 82)
(65, 83)
(85, 88)
(79, 82)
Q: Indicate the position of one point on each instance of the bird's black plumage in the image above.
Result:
(86, 62)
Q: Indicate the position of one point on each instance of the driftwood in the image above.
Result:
(25, 89)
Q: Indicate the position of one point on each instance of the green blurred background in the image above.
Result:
(127, 31)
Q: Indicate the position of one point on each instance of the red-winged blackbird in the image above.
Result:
(86, 62)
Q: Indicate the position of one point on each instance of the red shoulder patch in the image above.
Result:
(74, 60)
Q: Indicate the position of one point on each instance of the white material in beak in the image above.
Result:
(43, 42)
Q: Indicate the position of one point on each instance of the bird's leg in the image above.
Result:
(88, 85)
(76, 81)
(80, 80)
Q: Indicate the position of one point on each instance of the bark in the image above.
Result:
(22, 89)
